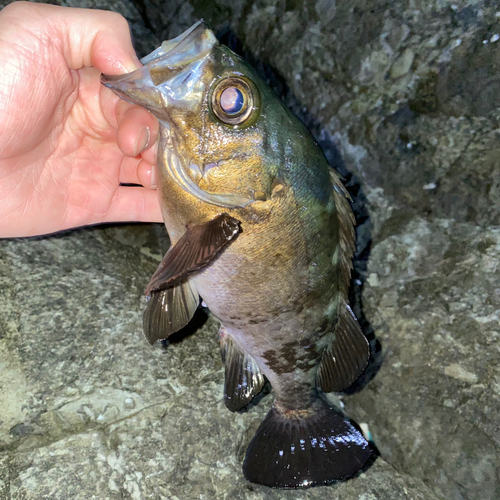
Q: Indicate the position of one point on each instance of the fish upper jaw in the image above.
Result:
(171, 74)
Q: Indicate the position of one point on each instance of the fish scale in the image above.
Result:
(265, 236)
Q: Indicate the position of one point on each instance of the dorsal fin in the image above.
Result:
(347, 235)
(347, 356)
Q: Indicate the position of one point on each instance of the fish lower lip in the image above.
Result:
(180, 172)
(198, 173)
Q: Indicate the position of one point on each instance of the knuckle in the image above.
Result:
(16, 8)
(117, 20)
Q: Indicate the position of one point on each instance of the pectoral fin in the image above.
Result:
(243, 378)
(196, 249)
(169, 310)
(172, 297)
(347, 356)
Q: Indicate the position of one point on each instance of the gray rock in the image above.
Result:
(90, 411)
(403, 64)
(404, 98)
(433, 299)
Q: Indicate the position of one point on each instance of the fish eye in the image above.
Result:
(231, 100)
(234, 101)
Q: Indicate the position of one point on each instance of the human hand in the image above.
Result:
(66, 142)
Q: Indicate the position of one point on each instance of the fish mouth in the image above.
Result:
(171, 73)
(172, 77)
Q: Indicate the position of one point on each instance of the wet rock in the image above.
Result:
(404, 99)
(433, 299)
(403, 64)
(90, 410)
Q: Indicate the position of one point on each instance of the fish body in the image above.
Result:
(262, 230)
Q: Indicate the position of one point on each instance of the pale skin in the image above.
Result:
(67, 144)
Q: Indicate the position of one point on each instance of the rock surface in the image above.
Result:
(404, 97)
(90, 411)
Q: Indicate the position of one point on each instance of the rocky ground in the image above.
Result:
(404, 97)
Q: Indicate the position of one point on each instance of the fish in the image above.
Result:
(262, 231)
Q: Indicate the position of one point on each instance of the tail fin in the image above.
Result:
(303, 448)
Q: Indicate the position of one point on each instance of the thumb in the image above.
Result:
(85, 37)
(98, 38)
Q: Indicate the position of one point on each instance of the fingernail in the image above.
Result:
(129, 63)
(153, 177)
(134, 64)
(142, 140)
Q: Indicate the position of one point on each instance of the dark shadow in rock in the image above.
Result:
(21, 430)
(59, 234)
(199, 319)
(143, 11)
(359, 204)
(97, 227)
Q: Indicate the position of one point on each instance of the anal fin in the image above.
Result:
(169, 310)
(243, 378)
(346, 357)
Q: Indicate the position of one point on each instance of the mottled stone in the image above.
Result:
(91, 411)
(402, 64)
(404, 99)
(435, 306)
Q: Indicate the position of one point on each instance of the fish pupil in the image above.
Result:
(234, 101)
(231, 100)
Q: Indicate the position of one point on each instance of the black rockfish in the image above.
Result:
(261, 228)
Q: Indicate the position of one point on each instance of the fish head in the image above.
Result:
(214, 112)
